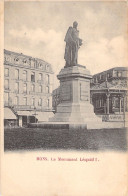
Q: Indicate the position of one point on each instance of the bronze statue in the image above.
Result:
(73, 43)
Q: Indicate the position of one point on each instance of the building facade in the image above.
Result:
(108, 94)
(27, 88)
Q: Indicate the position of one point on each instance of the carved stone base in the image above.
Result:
(75, 113)
(75, 104)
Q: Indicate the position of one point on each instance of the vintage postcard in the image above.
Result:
(64, 98)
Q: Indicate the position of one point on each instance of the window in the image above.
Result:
(40, 76)
(16, 100)
(119, 74)
(6, 84)
(16, 59)
(40, 89)
(33, 101)
(32, 87)
(47, 79)
(6, 97)
(25, 75)
(17, 87)
(25, 88)
(7, 58)
(47, 67)
(6, 73)
(102, 77)
(109, 75)
(32, 77)
(25, 100)
(40, 102)
(16, 74)
(24, 61)
(48, 103)
(47, 89)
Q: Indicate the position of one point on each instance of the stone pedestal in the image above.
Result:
(75, 107)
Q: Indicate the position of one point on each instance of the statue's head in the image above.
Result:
(75, 24)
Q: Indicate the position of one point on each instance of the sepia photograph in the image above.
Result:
(65, 96)
(65, 77)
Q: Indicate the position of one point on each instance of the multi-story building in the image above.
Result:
(108, 93)
(27, 88)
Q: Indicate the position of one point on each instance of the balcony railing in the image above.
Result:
(32, 92)
(23, 107)
(28, 108)
(16, 91)
(40, 81)
(7, 104)
(24, 92)
(6, 88)
(112, 117)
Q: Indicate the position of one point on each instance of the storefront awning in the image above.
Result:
(8, 114)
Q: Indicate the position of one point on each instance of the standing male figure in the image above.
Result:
(73, 43)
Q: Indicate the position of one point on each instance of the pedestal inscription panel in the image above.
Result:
(65, 92)
(84, 91)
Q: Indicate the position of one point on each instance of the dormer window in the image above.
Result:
(16, 59)
(25, 61)
(7, 58)
(47, 67)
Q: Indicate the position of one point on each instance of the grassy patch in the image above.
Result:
(38, 138)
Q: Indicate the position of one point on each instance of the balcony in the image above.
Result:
(16, 91)
(40, 81)
(7, 104)
(24, 92)
(30, 108)
(6, 89)
(23, 107)
(32, 92)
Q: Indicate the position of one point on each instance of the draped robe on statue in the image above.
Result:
(72, 45)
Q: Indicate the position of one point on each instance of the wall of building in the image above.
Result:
(109, 91)
(27, 82)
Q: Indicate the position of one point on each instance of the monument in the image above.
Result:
(73, 43)
(74, 108)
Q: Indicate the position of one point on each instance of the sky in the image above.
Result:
(38, 29)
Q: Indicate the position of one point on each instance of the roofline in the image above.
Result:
(124, 68)
(21, 54)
